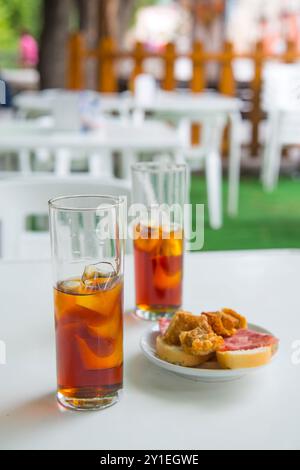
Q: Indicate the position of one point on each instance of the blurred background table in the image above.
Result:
(209, 112)
(43, 101)
(110, 135)
(158, 410)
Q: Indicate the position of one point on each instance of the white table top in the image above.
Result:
(158, 410)
(21, 77)
(176, 101)
(186, 102)
(113, 135)
(42, 101)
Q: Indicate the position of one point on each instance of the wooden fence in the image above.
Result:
(107, 56)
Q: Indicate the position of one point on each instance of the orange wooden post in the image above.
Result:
(138, 56)
(197, 84)
(107, 77)
(169, 57)
(227, 81)
(227, 84)
(76, 52)
(256, 113)
(198, 79)
(291, 52)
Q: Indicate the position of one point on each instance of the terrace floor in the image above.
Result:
(265, 220)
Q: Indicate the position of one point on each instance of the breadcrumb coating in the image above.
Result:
(225, 322)
(184, 321)
(200, 341)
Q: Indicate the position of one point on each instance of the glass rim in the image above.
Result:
(117, 201)
(157, 167)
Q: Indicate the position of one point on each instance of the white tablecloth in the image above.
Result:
(158, 410)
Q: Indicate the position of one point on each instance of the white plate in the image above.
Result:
(200, 374)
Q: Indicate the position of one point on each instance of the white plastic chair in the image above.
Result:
(208, 154)
(34, 137)
(281, 100)
(145, 89)
(66, 111)
(20, 198)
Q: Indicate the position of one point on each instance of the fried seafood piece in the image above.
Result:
(183, 321)
(200, 341)
(225, 322)
(240, 320)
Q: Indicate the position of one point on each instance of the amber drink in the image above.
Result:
(159, 269)
(88, 307)
(159, 190)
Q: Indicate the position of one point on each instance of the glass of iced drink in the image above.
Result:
(159, 192)
(87, 238)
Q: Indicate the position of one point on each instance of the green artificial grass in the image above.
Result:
(265, 220)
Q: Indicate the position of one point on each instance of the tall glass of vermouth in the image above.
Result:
(159, 194)
(87, 238)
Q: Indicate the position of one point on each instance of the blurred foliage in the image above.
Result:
(16, 15)
(140, 4)
(144, 3)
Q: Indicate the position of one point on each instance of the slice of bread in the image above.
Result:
(244, 359)
(176, 355)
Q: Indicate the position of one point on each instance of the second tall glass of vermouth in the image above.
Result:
(159, 195)
(87, 235)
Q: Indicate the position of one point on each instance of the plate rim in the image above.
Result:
(198, 372)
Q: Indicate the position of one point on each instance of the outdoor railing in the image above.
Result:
(107, 56)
